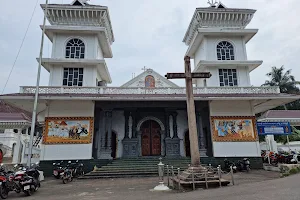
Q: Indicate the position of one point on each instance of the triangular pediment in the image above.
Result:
(150, 79)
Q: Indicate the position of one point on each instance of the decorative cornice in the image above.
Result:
(218, 17)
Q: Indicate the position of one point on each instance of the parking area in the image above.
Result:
(134, 188)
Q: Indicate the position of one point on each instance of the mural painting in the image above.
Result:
(149, 82)
(234, 129)
(68, 130)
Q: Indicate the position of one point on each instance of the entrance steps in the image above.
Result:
(136, 167)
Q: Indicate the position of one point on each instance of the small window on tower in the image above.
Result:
(75, 49)
(73, 77)
(228, 77)
(225, 51)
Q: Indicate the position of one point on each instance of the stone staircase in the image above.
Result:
(136, 167)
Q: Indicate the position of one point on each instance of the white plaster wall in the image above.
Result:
(118, 125)
(99, 50)
(68, 151)
(214, 81)
(182, 127)
(233, 108)
(90, 74)
(201, 52)
(236, 149)
(236, 41)
(90, 41)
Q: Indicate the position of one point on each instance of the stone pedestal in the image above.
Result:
(203, 153)
(105, 154)
(130, 147)
(172, 147)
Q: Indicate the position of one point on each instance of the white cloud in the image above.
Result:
(150, 33)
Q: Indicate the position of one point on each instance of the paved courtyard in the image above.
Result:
(258, 185)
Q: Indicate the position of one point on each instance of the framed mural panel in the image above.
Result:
(234, 129)
(68, 130)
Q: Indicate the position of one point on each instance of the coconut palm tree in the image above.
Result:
(284, 80)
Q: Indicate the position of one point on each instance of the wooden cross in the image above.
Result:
(188, 76)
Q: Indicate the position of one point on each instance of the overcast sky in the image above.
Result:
(149, 33)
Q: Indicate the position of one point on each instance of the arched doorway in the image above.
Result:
(151, 138)
(187, 144)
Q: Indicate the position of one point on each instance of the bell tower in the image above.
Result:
(82, 36)
(216, 40)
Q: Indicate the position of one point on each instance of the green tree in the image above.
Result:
(295, 136)
(283, 79)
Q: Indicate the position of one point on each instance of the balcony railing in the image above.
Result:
(135, 90)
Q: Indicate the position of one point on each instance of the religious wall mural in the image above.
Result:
(68, 130)
(234, 129)
(149, 82)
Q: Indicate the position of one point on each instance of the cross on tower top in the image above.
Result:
(212, 3)
(144, 68)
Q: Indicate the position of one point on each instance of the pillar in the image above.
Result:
(134, 132)
(108, 126)
(167, 122)
(174, 115)
(126, 115)
(201, 136)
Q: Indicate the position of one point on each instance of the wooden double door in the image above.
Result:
(151, 138)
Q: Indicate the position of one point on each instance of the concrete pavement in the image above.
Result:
(257, 185)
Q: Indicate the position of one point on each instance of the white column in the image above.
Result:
(17, 149)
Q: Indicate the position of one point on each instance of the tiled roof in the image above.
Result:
(282, 114)
(12, 113)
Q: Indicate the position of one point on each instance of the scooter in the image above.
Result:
(228, 164)
(7, 183)
(243, 165)
(57, 169)
(28, 179)
(67, 174)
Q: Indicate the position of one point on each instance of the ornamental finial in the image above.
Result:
(212, 3)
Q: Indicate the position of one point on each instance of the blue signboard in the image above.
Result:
(274, 128)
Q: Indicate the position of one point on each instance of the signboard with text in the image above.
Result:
(274, 128)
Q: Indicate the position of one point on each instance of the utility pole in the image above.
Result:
(37, 90)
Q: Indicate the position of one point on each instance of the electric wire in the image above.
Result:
(16, 59)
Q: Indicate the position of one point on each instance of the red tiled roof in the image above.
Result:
(12, 113)
(282, 114)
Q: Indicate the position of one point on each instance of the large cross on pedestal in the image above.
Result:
(188, 76)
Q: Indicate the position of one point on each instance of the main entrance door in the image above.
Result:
(151, 145)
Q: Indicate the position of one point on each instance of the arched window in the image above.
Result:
(225, 51)
(149, 82)
(75, 49)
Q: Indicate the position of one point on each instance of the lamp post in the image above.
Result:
(161, 186)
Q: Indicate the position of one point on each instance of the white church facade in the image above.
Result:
(85, 119)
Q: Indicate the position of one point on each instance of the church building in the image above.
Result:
(84, 118)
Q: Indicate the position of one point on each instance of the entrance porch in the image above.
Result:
(143, 129)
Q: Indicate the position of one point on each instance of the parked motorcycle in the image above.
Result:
(243, 165)
(57, 169)
(7, 183)
(228, 164)
(78, 169)
(67, 174)
(28, 179)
